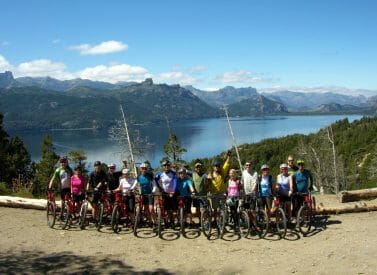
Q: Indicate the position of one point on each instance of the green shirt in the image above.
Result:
(64, 175)
(200, 183)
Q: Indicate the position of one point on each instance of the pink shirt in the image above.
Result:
(233, 188)
(78, 184)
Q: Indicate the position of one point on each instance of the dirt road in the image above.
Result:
(343, 244)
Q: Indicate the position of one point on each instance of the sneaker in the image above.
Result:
(293, 220)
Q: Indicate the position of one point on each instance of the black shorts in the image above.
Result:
(265, 202)
(65, 191)
(187, 205)
(129, 200)
(170, 203)
(283, 198)
(96, 196)
(198, 203)
(147, 199)
(249, 202)
(79, 198)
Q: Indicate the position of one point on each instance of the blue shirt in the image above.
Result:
(301, 181)
(266, 185)
(183, 186)
(146, 183)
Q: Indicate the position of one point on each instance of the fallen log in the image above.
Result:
(357, 195)
(347, 209)
(18, 202)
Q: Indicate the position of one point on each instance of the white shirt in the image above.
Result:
(249, 181)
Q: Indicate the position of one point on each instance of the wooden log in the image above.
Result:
(357, 195)
(347, 209)
(18, 202)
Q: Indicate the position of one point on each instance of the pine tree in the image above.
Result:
(173, 150)
(46, 167)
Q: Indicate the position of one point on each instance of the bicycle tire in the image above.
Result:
(244, 224)
(221, 223)
(99, 216)
(115, 218)
(65, 216)
(83, 211)
(261, 223)
(182, 220)
(205, 222)
(281, 222)
(137, 219)
(304, 219)
(159, 222)
(51, 213)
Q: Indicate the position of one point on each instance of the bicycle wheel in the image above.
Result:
(205, 222)
(159, 222)
(83, 210)
(65, 216)
(304, 219)
(244, 223)
(51, 211)
(221, 221)
(99, 216)
(182, 220)
(261, 223)
(281, 222)
(137, 219)
(115, 218)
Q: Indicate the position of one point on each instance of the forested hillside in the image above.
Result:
(355, 146)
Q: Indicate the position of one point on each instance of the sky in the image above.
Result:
(311, 45)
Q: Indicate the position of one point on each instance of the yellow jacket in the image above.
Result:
(217, 183)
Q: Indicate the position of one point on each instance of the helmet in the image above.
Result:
(265, 167)
(300, 161)
(97, 163)
(112, 165)
(198, 164)
(283, 165)
(63, 159)
(166, 162)
(182, 171)
(216, 163)
(143, 165)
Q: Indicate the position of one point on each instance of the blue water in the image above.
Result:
(201, 138)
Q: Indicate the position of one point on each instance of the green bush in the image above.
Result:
(4, 189)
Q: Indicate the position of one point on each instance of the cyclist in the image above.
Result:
(97, 181)
(112, 179)
(301, 181)
(217, 184)
(249, 182)
(291, 165)
(78, 184)
(233, 194)
(64, 174)
(185, 189)
(147, 185)
(127, 185)
(283, 190)
(266, 182)
(166, 181)
(200, 181)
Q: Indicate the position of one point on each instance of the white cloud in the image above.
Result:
(102, 48)
(320, 89)
(42, 67)
(114, 73)
(244, 77)
(56, 41)
(198, 68)
(175, 77)
(4, 64)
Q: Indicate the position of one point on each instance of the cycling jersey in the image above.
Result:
(218, 184)
(292, 170)
(96, 177)
(167, 181)
(146, 183)
(283, 181)
(301, 181)
(266, 185)
(78, 184)
(183, 186)
(113, 180)
(127, 184)
(64, 175)
(233, 188)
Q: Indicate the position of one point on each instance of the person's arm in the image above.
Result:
(54, 176)
(291, 184)
(191, 186)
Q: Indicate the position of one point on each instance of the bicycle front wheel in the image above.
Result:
(159, 222)
(115, 218)
(83, 210)
(221, 221)
(99, 216)
(244, 223)
(51, 213)
(137, 219)
(261, 223)
(205, 222)
(304, 220)
(281, 222)
(65, 216)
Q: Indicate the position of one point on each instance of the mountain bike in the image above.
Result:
(205, 215)
(259, 221)
(280, 216)
(104, 208)
(68, 213)
(83, 212)
(306, 212)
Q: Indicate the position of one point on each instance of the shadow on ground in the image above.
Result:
(38, 262)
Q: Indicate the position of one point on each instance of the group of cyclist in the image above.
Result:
(174, 182)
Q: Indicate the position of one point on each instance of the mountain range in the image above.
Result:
(45, 102)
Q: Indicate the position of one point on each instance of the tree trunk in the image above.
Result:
(356, 195)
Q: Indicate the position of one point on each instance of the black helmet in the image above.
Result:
(97, 163)
(216, 163)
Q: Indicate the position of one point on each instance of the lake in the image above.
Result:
(201, 138)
